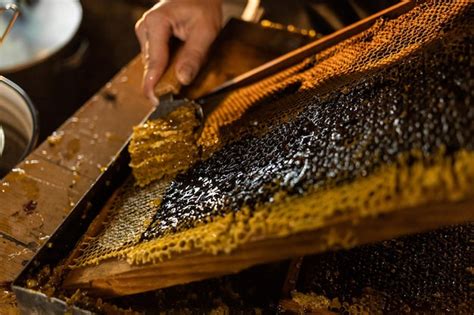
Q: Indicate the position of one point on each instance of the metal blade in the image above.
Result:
(168, 104)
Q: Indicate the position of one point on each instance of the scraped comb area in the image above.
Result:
(165, 146)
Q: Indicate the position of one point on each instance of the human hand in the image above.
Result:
(195, 22)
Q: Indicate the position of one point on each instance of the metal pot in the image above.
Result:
(19, 121)
(42, 28)
(43, 54)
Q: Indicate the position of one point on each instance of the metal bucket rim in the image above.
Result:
(33, 112)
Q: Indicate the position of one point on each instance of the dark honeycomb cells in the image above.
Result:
(423, 102)
(425, 272)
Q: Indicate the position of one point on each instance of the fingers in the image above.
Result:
(140, 31)
(196, 22)
(192, 55)
(157, 56)
(153, 32)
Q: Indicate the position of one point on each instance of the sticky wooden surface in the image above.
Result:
(39, 194)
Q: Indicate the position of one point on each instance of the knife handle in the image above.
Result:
(168, 82)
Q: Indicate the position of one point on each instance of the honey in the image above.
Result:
(165, 146)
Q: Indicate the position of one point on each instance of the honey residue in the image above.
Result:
(369, 303)
(72, 148)
(165, 146)
(311, 302)
(55, 138)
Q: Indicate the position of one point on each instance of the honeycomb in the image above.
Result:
(128, 217)
(422, 274)
(164, 146)
(379, 122)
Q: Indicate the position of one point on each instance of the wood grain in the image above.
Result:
(93, 136)
(36, 198)
(14, 257)
(8, 303)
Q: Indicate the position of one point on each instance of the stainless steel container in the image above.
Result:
(43, 54)
(19, 121)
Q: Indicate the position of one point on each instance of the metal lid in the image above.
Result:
(42, 29)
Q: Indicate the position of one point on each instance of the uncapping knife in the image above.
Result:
(167, 87)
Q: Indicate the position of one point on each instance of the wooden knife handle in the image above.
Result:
(168, 82)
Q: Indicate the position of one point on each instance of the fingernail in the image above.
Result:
(153, 99)
(186, 74)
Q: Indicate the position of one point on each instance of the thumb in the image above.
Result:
(192, 56)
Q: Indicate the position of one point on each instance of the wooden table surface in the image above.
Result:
(37, 195)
